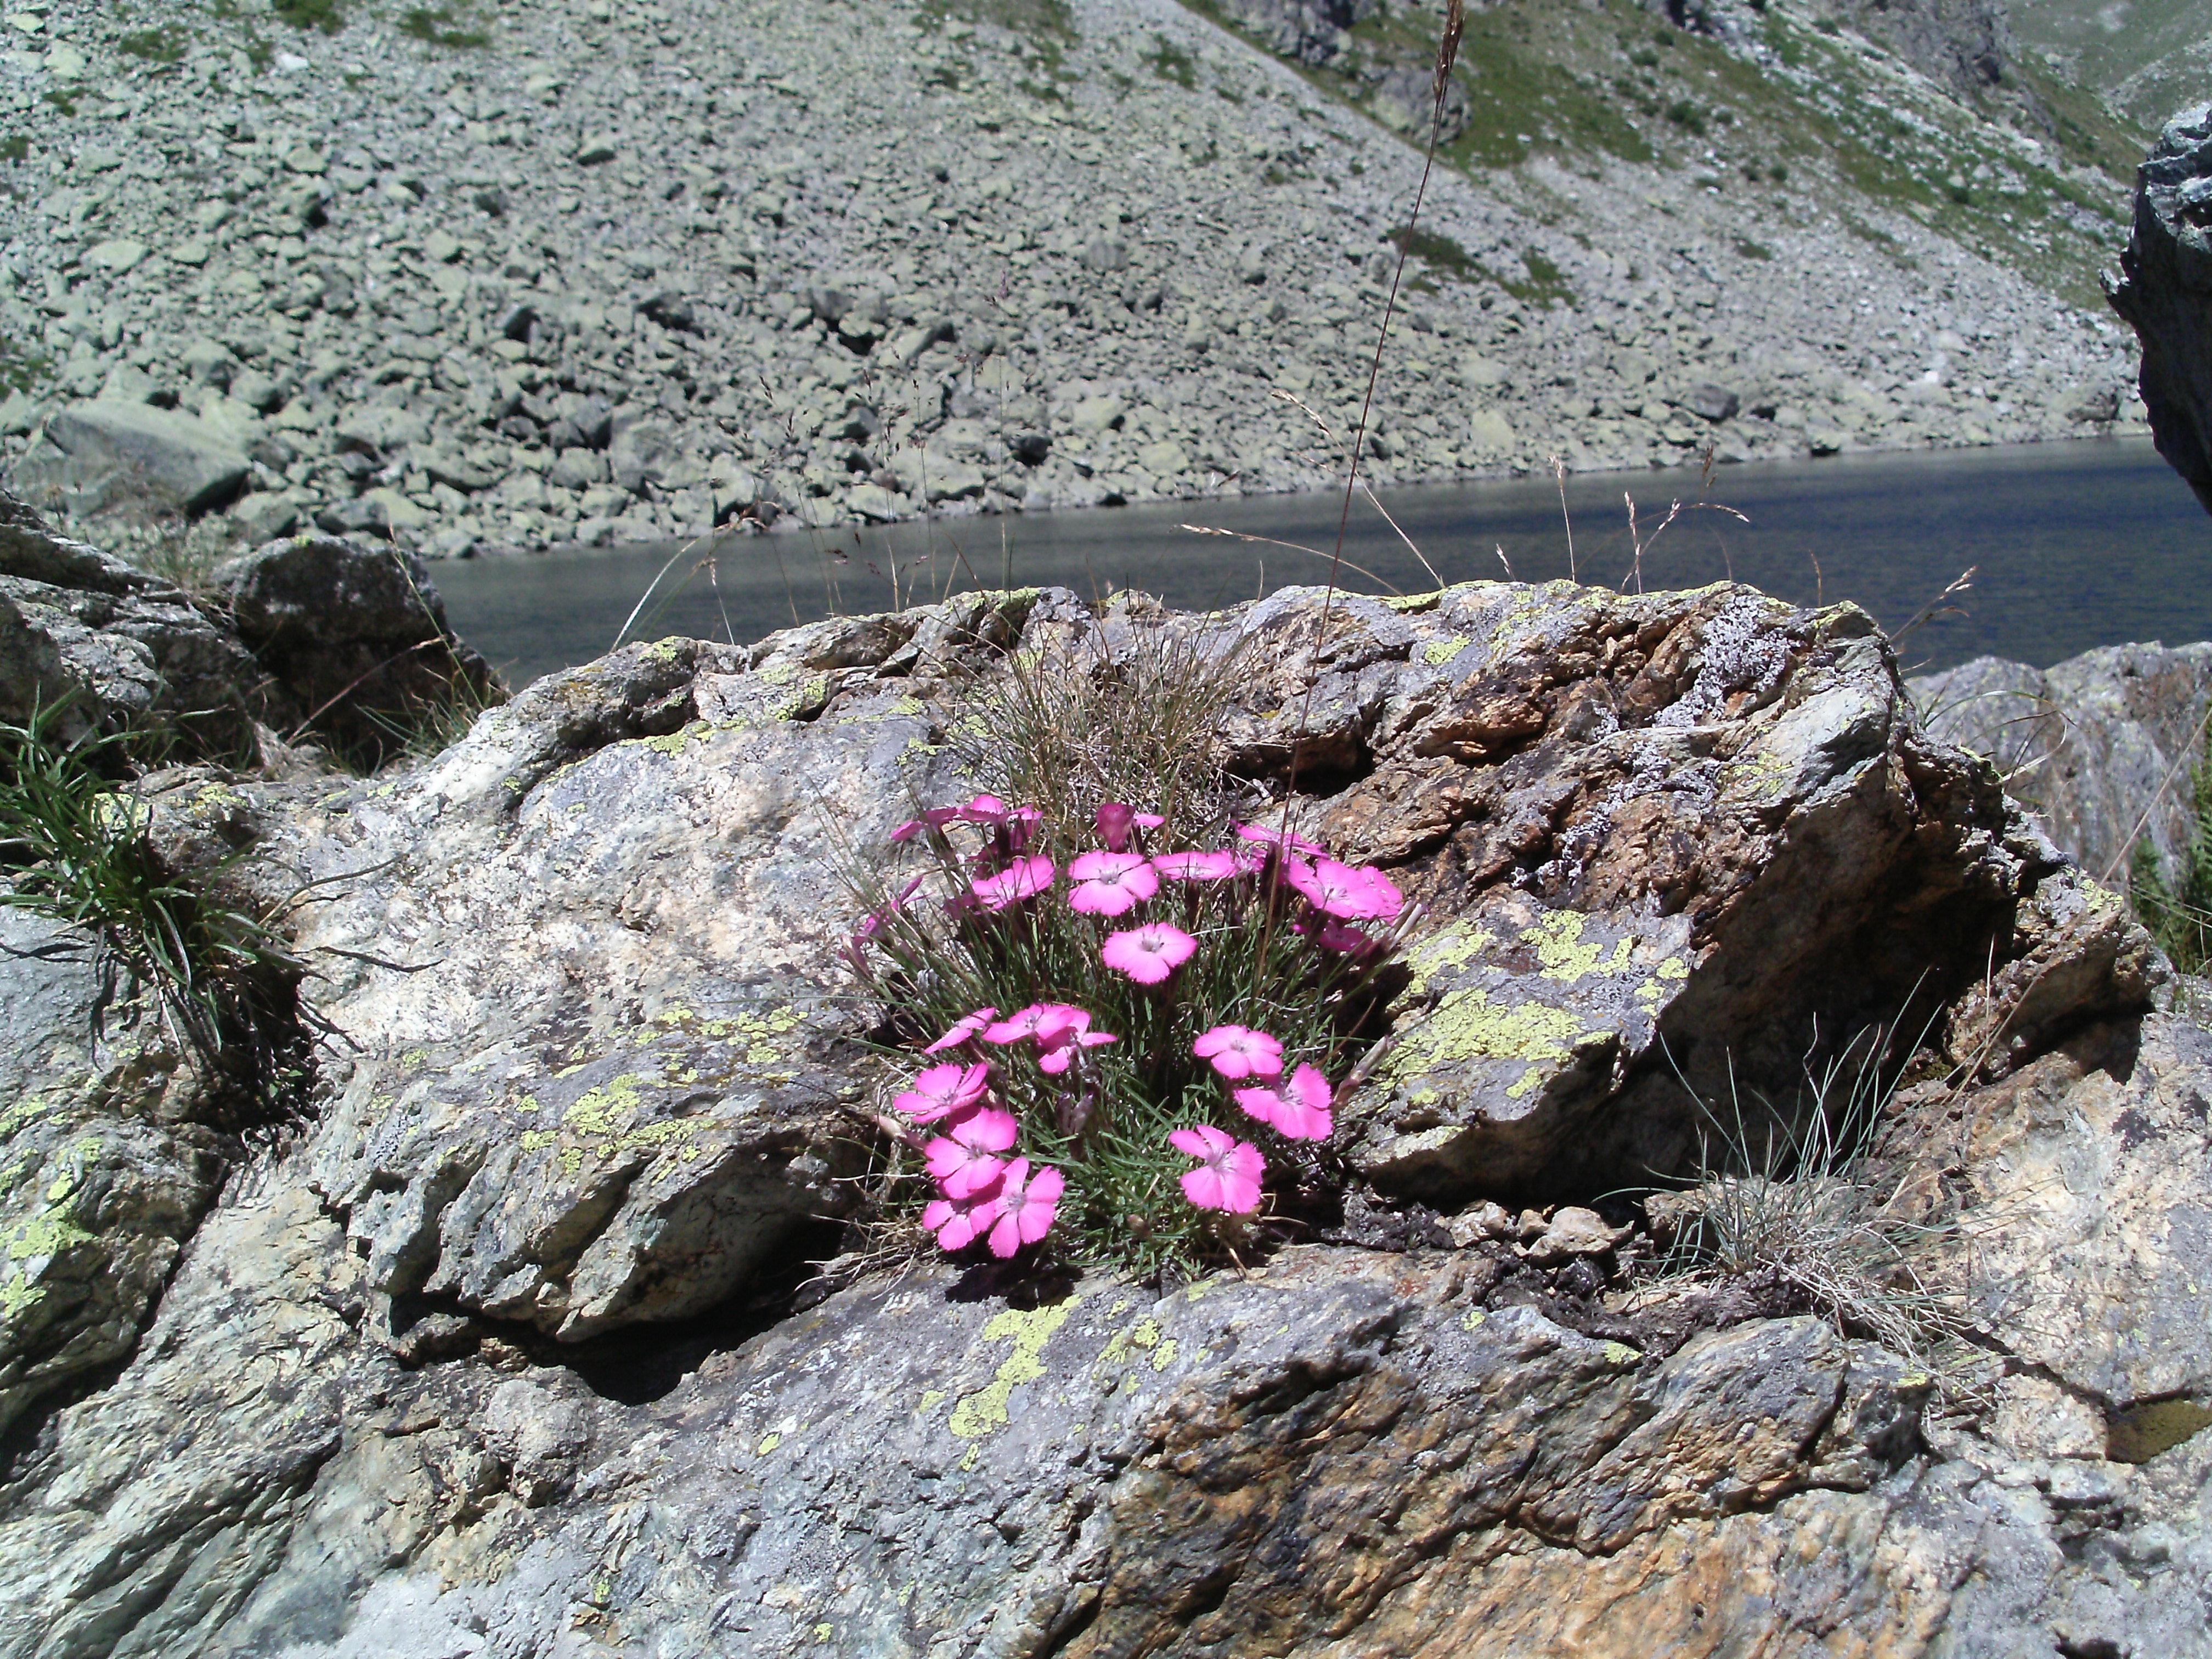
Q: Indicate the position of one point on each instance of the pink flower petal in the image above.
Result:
(1023, 879)
(943, 1090)
(1353, 893)
(1238, 1052)
(965, 1160)
(958, 1222)
(1196, 866)
(1281, 839)
(1228, 1176)
(1028, 1204)
(1114, 821)
(936, 817)
(966, 1026)
(1147, 954)
(1112, 883)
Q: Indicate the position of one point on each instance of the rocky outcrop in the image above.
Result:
(114, 456)
(356, 633)
(2165, 292)
(501, 1353)
(116, 644)
(2102, 748)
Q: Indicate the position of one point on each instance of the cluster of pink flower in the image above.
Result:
(987, 1195)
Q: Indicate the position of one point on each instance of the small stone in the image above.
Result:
(307, 160)
(1096, 415)
(441, 248)
(1487, 1219)
(594, 152)
(873, 501)
(1574, 1232)
(118, 256)
(1712, 403)
(188, 254)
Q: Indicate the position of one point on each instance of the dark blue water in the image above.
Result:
(2073, 544)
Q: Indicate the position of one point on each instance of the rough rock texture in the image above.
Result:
(121, 645)
(102, 1175)
(356, 633)
(2165, 292)
(1620, 804)
(1344, 1453)
(469, 1368)
(110, 455)
(2101, 747)
(617, 274)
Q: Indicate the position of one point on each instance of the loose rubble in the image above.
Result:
(619, 274)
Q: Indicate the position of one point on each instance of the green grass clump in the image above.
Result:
(16, 147)
(159, 46)
(21, 370)
(2177, 905)
(76, 848)
(328, 15)
(439, 26)
(1170, 62)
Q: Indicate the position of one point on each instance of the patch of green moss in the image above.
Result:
(328, 15)
(1170, 62)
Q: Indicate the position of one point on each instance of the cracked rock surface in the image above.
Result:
(490, 1359)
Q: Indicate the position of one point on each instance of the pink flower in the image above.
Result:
(1298, 1111)
(963, 1028)
(873, 923)
(936, 818)
(1115, 821)
(1112, 883)
(1282, 841)
(983, 809)
(1023, 879)
(965, 1159)
(1027, 1206)
(1064, 1033)
(1024, 1022)
(1196, 866)
(1238, 1051)
(943, 1090)
(958, 1222)
(1228, 1174)
(1339, 936)
(1355, 893)
(1147, 954)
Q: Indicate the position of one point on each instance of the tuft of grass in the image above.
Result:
(439, 26)
(157, 45)
(1064, 735)
(78, 850)
(21, 370)
(328, 15)
(1792, 1202)
(16, 147)
(2177, 906)
(1170, 62)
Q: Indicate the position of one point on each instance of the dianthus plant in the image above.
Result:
(1116, 1051)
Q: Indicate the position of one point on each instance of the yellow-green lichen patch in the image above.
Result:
(1452, 946)
(604, 1110)
(1468, 1025)
(1562, 954)
(1760, 776)
(1414, 604)
(1436, 652)
(986, 1410)
(931, 1400)
(1620, 1354)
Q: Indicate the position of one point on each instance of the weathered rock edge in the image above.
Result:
(2164, 291)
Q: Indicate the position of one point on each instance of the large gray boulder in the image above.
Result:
(2101, 748)
(479, 1364)
(118, 645)
(2164, 290)
(356, 633)
(108, 455)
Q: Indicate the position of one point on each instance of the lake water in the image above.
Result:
(2074, 545)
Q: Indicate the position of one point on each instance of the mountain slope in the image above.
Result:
(558, 271)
